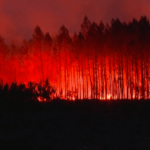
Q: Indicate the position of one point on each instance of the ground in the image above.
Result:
(80, 125)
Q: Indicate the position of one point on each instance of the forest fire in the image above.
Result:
(100, 62)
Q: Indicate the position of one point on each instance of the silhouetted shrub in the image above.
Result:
(23, 93)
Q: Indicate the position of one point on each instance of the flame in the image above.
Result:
(109, 96)
(40, 99)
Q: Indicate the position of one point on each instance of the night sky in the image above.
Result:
(19, 17)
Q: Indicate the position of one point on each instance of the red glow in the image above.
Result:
(77, 79)
(100, 62)
(73, 80)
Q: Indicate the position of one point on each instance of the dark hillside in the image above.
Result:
(78, 125)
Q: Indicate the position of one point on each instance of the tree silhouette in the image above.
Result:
(101, 61)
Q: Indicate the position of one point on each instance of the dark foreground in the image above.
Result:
(80, 125)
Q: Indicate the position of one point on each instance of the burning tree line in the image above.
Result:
(100, 62)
